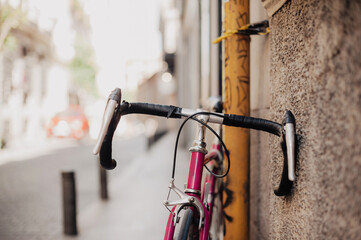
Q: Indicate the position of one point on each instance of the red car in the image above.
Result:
(70, 123)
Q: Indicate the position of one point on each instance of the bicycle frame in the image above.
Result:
(194, 189)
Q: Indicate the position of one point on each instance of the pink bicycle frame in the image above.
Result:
(194, 186)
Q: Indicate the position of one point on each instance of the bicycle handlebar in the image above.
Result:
(232, 120)
(252, 123)
(114, 110)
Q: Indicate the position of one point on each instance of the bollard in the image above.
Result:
(103, 183)
(69, 203)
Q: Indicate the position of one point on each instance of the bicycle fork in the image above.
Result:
(191, 195)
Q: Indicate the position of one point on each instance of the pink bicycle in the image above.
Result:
(191, 214)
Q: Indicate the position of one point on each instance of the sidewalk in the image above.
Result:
(35, 149)
(135, 209)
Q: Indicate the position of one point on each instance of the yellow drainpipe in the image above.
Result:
(236, 101)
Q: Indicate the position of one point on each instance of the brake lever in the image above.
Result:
(113, 102)
(289, 126)
(107, 118)
(288, 145)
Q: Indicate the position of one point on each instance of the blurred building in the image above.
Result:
(37, 43)
(187, 28)
(24, 61)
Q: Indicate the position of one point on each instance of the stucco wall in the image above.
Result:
(315, 71)
(260, 184)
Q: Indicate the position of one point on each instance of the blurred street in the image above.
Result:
(30, 200)
(31, 203)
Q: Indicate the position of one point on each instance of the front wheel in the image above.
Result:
(188, 226)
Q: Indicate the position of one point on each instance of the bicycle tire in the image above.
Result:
(188, 226)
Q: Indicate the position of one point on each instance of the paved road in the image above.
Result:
(30, 188)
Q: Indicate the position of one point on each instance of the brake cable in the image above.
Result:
(212, 130)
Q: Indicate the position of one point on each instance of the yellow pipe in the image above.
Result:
(236, 101)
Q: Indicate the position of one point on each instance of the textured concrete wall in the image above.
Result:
(260, 175)
(315, 71)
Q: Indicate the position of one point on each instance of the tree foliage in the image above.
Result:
(83, 66)
(10, 18)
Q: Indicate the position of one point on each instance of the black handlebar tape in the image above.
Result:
(155, 109)
(253, 123)
(105, 153)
